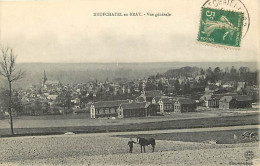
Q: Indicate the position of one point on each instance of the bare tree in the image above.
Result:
(7, 70)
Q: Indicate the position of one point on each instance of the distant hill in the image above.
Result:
(186, 71)
(70, 73)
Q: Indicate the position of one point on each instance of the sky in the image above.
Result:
(65, 31)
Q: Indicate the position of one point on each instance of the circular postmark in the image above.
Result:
(249, 155)
(231, 5)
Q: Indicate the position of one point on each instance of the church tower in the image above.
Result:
(44, 78)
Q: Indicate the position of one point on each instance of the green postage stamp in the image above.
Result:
(220, 27)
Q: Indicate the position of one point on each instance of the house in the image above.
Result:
(87, 106)
(149, 95)
(218, 83)
(240, 85)
(52, 97)
(139, 100)
(163, 104)
(170, 89)
(75, 102)
(204, 100)
(182, 79)
(185, 105)
(210, 89)
(166, 105)
(198, 78)
(243, 101)
(143, 109)
(213, 102)
(229, 84)
(234, 102)
(105, 108)
(253, 92)
(156, 104)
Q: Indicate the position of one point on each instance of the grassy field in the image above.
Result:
(142, 126)
(83, 119)
(222, 137)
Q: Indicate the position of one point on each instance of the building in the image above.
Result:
(52, 97)
(139, 99)
(156, 104)
(213, 102)
(49, 84)
(204, 100)
(234, 102)
(127, 110)
(166, 104)
(149, 95)
(253, 92)
(210, 89)
(210, 101)
(163, 104)
(185, 105)
(240, 86)
(106, 108)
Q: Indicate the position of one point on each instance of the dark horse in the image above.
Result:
(145, 142)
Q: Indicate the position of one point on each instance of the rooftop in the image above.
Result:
(133, 105)
(186, 101)
(116, 103)
(153, 93)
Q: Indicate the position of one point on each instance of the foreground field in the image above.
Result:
(106, 149)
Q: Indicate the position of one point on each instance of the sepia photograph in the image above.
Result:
(97, 82)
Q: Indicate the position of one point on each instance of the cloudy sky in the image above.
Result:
(66, 31)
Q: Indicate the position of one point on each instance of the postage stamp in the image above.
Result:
(221, 27)
(231, 5)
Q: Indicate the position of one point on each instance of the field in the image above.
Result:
(59, 124)
(222, 137)
(110, 149)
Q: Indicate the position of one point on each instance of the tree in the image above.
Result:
(157, 76)
(17, 103)
(217, 73)
(209, 71)
(243, 70)
(217, 70)
(150, 86)
(160, 85)
(186, 88)
(177, 86)
(202, 72)
(233, 70)
(7, 70)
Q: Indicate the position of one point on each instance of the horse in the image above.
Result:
(145, 142)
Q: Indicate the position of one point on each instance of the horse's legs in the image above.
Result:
(141, 148)
(153, 148)
(144, 149)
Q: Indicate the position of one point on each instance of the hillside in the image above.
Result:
(84, 72)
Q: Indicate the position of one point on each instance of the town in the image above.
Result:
(182, 90)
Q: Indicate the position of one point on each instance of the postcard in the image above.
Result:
(97, 82)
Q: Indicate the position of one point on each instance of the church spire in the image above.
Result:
(44, 78)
